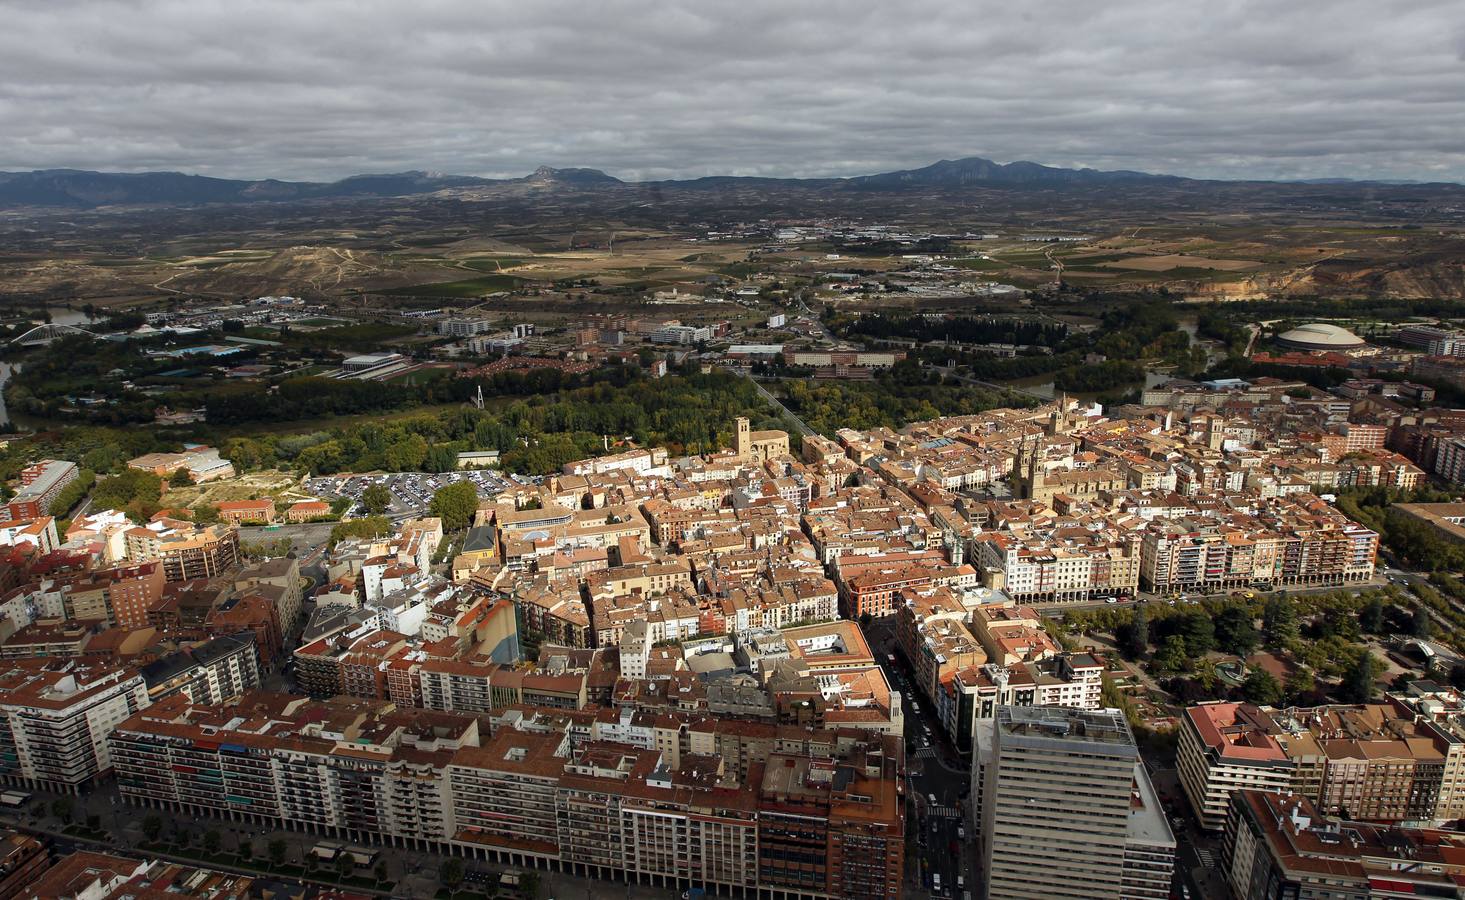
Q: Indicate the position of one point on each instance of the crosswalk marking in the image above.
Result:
(945, 812)
(1206, 859)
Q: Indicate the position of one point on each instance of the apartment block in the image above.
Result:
(822, 817)
(40, 483)
(1312, 544)
(1434, 341)
(1068, 809)
(1376, 761)
(217, 671)
(1279, 845)
(185, 550)
(1225, 748)
(56, 716)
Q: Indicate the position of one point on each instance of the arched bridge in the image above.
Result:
(45, 334)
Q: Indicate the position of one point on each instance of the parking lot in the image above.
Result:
(411, 491)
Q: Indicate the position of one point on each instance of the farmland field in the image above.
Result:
(1178, 261)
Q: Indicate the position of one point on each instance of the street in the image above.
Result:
(415, 872)
(939, 834)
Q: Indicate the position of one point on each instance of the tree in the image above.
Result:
(529, 884)
(181, 477)
(212, 841)
(1137, 636)
(1361, 679)
(406, 455)
(1236, 632)
(277, 849)
(377, 499)
(1279, 622)
(440, 458)
(1371, 616)
(69, 496)
(101, 459)
(1299, 683)
(206, 514)
(129, 486)
(451, 872)
(381, 871)
(455, 504)
(1172, 655)
(152, 826)
(1199, 633)
(1421, 625)
(1206, 675)
(246, 849)
(369, 527)
(61, 808)
(345, 864)
(1261, 687)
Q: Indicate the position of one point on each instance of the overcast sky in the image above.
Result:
(320, 89)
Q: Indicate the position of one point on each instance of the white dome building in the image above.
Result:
(1320, 336)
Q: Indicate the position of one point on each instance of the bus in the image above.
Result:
(330, 851)
(14, 799)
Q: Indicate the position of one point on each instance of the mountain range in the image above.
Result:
(82, 189)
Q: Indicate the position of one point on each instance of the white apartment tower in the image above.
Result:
(1067, 809)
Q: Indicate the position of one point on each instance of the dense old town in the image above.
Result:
(682, 671)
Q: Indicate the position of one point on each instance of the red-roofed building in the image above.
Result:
(241, 511)
(306, 510)
(1225, 747)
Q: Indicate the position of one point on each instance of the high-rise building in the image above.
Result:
(1067, 809)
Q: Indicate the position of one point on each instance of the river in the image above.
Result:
(5, 370)
(60, 315)
(1042, 385)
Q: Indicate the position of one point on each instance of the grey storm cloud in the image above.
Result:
(652, 89)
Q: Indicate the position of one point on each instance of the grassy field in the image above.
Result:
(491, 265)
(272, 483)
(325, 423)
(1172, 261)
(976, 263)
(418, 376)
(470, 287)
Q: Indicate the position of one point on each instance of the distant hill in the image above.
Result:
(81, 189)
(577, 177)
(977, 171)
